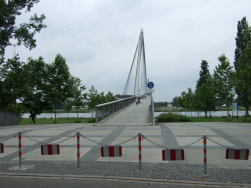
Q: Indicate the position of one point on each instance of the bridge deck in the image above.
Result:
(131, 115)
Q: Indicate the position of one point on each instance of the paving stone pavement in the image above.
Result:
(171, 135)
(188, 172)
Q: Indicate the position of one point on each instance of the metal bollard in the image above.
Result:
(140, 151)
(78, 149)
(205, 154)
(20, 148)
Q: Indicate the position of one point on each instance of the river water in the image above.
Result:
(61, 115)
(89, 115)
(202, 114)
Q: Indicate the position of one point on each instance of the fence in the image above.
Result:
(116, 150)
(107, 109)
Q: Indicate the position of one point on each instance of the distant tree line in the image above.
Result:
(226, 82)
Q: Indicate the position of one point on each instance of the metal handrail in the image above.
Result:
(107, 109)
(112, 102)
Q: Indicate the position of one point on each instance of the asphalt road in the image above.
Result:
(14, 182)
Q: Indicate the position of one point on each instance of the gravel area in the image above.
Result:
(164, 171)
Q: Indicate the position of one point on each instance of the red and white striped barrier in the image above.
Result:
(111, 151)
(50, 149)
(78, 149)
(239, 154)
(140, 138)
(1, 148)
(205, 154)
(20, 149)
(173, 154)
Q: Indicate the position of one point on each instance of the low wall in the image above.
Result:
(8, 118)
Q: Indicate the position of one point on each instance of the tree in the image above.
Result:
(20, 109)
(102, 98)
(175, 101)
(198, 106)
(206, 96)
(24, 34)
(36, 98)
(204, 73)
(242, 63)
(92, 98)
(68, 106)
(186, 100)
(224, 80)
(205, 93)
(242, 39)
(181, 100)
(189, 99)
(14, 80)
(110, 97)
(243, 78)
(60, 85)
(78, 95)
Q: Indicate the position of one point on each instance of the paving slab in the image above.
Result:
(214, 156)
(183, 141)
(192, 132)
(66, 154)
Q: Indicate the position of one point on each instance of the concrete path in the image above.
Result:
(131, 115)
(166, 135)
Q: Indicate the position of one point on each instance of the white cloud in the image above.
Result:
(98, 38)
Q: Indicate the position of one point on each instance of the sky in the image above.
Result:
(98, 39)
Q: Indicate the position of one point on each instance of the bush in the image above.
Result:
(171, 117)
(229, 119)
(93, 120)
(246, 120)
(77, 121)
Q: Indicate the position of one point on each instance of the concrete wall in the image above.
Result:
(8, 118)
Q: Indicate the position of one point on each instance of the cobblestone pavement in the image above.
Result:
(164, 171)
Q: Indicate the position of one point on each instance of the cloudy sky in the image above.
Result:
(98, 38)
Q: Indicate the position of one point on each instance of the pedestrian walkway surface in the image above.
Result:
(131, 115)
(156, 138)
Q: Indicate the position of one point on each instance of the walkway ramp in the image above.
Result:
(131, 115)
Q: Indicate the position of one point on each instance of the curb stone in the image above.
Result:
(124, 179)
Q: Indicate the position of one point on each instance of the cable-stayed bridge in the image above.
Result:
(125, 111)
(137, 79)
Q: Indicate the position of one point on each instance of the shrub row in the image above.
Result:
(171, 117)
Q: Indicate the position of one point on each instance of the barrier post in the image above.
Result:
(140, 151)
(78, 149)
(205, 154)
(20, 148)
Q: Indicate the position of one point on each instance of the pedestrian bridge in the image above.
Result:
(125, 111)
(131, 115)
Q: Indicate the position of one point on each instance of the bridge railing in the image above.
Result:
(107, 109)
(151, 109)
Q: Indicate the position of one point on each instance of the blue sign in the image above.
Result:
(150, 85)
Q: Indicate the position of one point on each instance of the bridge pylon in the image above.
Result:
(137, 79)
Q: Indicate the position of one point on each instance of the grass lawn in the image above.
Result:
(25, 121)
(216, 119)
